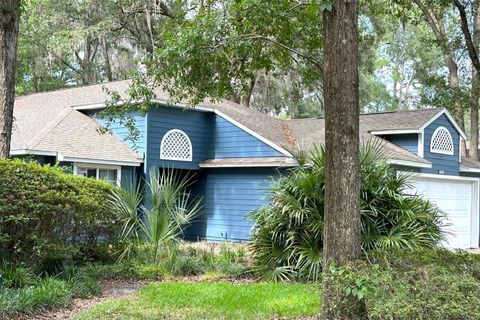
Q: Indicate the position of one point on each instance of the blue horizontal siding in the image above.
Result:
(128, 175)
(195, 124)
(228, 196)
(406, 141)
(120, 131)
(232, 142)
(448, 163)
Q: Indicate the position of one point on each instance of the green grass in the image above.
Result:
(205, 300)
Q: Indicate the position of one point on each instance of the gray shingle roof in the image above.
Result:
(46, 122)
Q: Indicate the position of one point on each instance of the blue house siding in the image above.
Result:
(194, 123)
(232, 142)
(120, 131)
(449, 164)
(406, 141)
(128, 175)
(228, 196)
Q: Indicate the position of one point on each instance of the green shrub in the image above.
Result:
(84, 285)
(187, 266)
(43, 210)
(234, 270)
(287, 239)
(17, 276)
(425, 284)
(46, 294)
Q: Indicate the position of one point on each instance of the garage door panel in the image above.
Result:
(454, 197)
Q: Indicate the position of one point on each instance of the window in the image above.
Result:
(109, 174)
(176, 146)
(441, 142)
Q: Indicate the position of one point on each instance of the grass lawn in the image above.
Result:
(204, 300)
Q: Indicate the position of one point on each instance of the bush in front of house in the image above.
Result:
(45, 212)
(288, 233)
(425, 284)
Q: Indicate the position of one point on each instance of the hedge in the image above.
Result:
(43, 209)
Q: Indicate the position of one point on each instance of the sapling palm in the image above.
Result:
(168, 210)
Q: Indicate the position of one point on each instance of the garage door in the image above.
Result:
(457, 199)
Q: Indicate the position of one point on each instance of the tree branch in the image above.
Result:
(472, 52)
(292, 50)
(69, 65)
(430, 19)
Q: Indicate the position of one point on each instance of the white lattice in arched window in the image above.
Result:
(176, 145)
(442, 141)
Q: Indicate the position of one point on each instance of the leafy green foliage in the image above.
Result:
(161, 222)
(16, 277)
(44, 210)
(425, 284)
(228, 41)
(45, 294)
(287, 239)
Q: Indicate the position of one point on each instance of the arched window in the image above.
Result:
(176, 145)
(442, 141)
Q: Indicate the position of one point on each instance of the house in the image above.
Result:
(235, 152)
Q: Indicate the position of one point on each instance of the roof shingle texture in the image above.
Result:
(47, 122)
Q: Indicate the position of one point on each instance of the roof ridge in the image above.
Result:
(69, 88)
(401, 111)
(49, 127)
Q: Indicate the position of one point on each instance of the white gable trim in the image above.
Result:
(105, 162)
(389, 132)
(407, 163)
(33, 152)
(468, 170)
(449, 117)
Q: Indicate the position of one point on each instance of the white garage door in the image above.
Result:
(459, 200)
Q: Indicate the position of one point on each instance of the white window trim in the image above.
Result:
(189, 159)
(76, 166)
(451, 140)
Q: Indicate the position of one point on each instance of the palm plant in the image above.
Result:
(288, 234)
(169, 209)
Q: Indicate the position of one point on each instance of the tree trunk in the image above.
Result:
(474, 117)
(436, 21)
(247, 91)
(453, 84)
(475, 85)
(106, 56)
(342, 230)
(9, 20)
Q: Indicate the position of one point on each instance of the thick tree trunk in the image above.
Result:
(453, 84)
(474, 116)
(475, 85)
(9, 19)
(342, 230)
